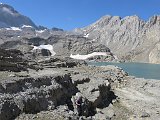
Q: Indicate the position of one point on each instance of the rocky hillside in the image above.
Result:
(130, 38)
(63, 43)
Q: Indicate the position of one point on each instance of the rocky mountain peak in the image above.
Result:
(107, 20)
(154, 20)
(11, 18)
(8, 9)
(113, 20)
(133, 18)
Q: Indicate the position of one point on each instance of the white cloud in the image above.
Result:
(7, 10)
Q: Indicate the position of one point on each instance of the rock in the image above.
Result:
(8, 109)
(145, 114)
(12, 60)
(154, 54)
(41, 52)
(36, 41)
(95, 89)
(12, 75)
(101, 116)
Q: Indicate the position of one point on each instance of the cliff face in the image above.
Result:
(129, 38)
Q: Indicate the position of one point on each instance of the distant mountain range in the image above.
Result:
(129, 38)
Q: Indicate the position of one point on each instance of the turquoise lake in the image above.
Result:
(140, 70)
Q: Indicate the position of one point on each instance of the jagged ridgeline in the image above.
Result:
(130, 38)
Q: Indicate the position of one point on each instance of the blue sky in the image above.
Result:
(70, 14)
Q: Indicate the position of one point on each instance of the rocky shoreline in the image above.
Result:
(47, 93)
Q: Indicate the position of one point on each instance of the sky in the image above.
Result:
(71, 14)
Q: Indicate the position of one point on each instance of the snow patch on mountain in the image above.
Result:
(48, 47)
(40, 31)
(27, 26)
(84, 57)
(14, 28)
(86, 35)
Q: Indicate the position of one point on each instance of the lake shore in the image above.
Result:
(139, 70)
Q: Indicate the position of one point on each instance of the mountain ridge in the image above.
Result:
(11, 18)
(130, 38)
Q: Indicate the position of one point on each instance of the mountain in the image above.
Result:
(130, 38)
(11, 18)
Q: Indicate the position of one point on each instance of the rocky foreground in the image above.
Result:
(45, 91)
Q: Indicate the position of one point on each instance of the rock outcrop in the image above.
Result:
(154, 56)
(32, 95)
(12, 60)
(41, 52)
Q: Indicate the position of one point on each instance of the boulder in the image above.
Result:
(41, 52)
(8, 109)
